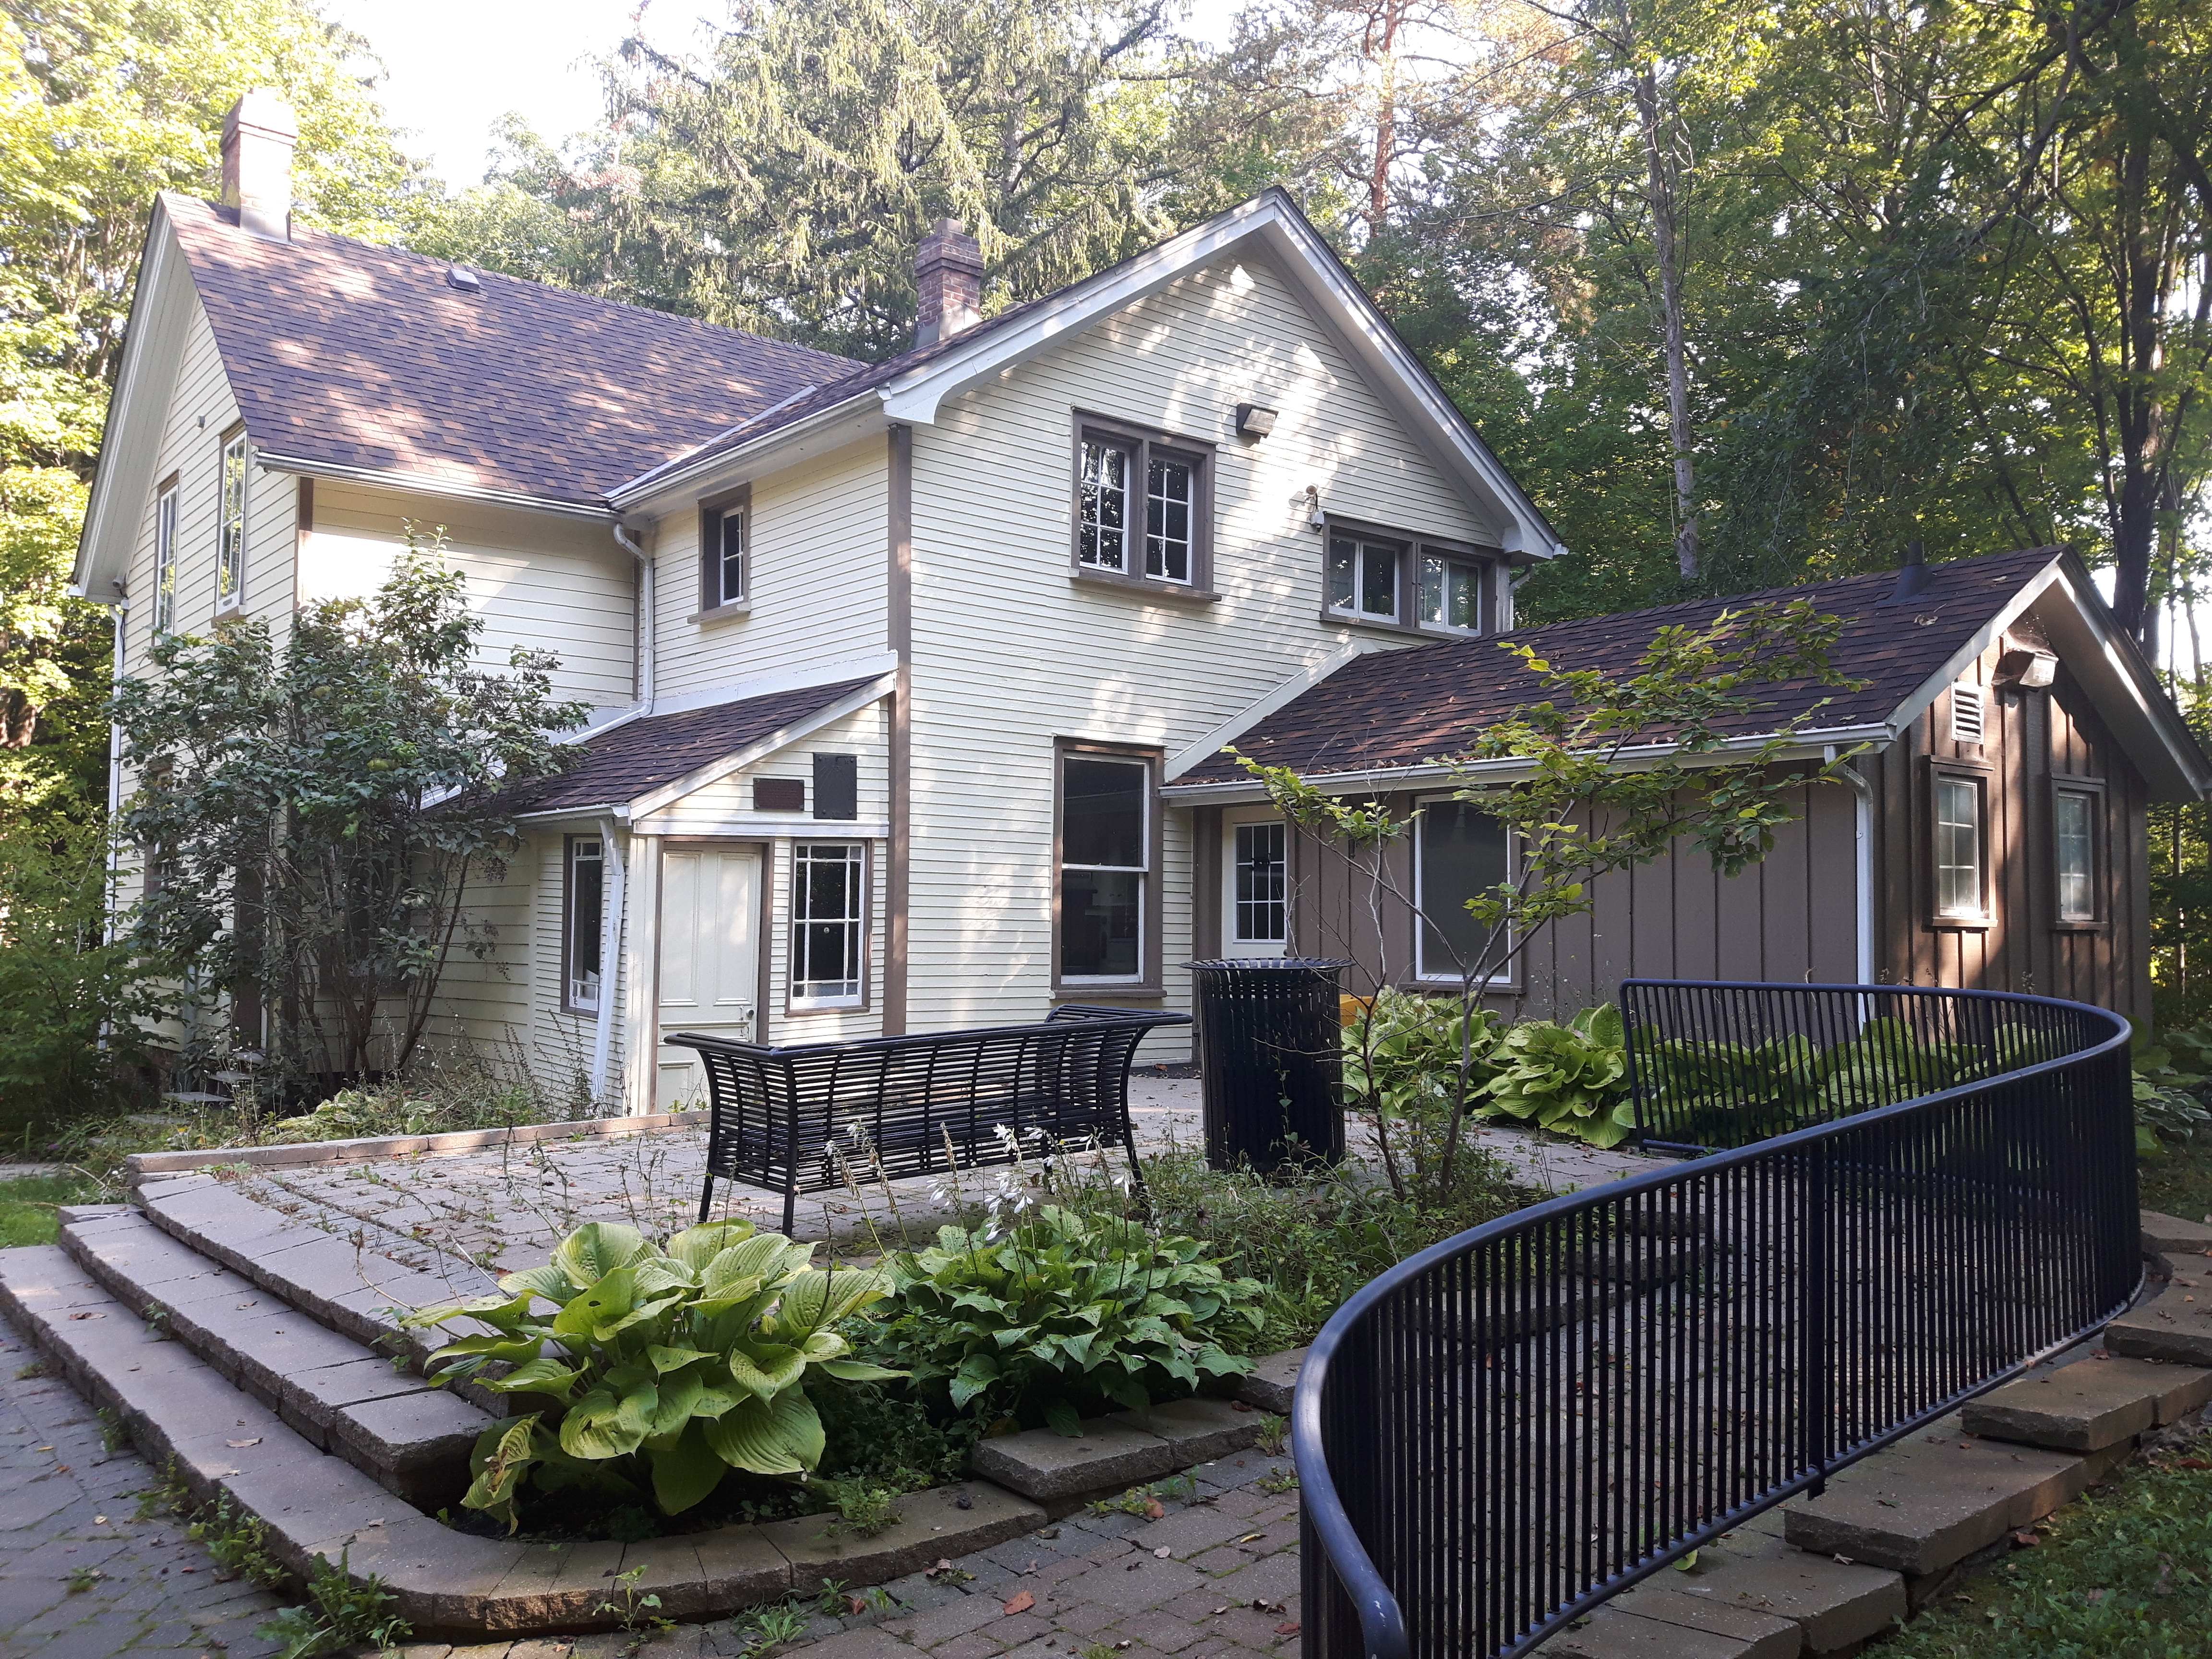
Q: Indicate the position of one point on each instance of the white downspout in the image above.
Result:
(648, 623)
(611, 947)
(1863, 838)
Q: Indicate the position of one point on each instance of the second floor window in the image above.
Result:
(230, 525)
(1141, 507)
(1363, 577)
(1102, 537)
(1451, 591)
(726, 557)
(165, 562)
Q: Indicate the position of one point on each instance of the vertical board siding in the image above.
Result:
(818, 531)
(541, 582)
(1009, 653)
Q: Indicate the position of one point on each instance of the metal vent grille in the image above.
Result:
(1966, 714)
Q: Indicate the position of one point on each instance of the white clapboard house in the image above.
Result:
(891, 662)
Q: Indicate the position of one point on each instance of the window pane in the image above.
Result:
(1958, 847)
(1102, 532)
(165, 563)
(230, 563)
(2076, 902)
(586, 892)
(1103, 813)
(1099, 912)
(1378, 579)
(1167, 521)
(826, 921)
(1462, 853)
(731, 587)
(1261, 883)
(1343, 574)
(1462, 595)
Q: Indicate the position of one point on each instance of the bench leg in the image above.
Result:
(706, 1199)
(790, 1208)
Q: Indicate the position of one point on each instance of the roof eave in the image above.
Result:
(828, 428)
(430, 483)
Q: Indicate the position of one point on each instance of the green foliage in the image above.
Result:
(27, 1204)
(864, 1508)
(662, 1368)
(1569, 1079)
(337, 1614)
(2171, 1079)
(1060, 1314)
(287, 792)
(72, 1002)
(1402, 1054)
(769, 1627)
(239, 1543)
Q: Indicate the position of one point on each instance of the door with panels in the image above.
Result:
(709, 977)
(1256, 884)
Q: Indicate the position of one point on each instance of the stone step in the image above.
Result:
(2104, 1401)
(1935, 1498)
(1836, 1605)
(1112, 1454)
(2170, 1236)
(2174, 1326)
(1666, 1624)
(337, 1394)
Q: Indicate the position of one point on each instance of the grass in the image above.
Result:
(2179, 1183)
(2125, 1572)
(28, 1205)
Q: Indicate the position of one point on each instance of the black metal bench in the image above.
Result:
(807, 1118)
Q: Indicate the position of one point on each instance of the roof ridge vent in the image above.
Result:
(462, 277)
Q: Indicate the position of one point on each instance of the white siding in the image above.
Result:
(1009, 653)
(819, 556)
(541, 582)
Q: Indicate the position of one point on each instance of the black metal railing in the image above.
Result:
(1922, 1192)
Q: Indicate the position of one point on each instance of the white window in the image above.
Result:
(1451, 591)
(2074, 814)
(1958, 847)
(1363, 577)
(583, 909)
(1168, 505)
(829, 927)
(1105, 839)
(230, 526)
(1103, 526)
(1460, 852)
(165, 562)
(727, 572)
(1967, 714)
(1259, 909)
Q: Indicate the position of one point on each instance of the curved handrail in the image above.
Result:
(1344, 1554)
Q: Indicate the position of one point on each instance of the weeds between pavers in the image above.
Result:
(641, 1615)
(2126, 1570)
(338, 1613)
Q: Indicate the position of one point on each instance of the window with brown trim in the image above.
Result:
(2077, 829)
(1381, 577)
(1108, 863)
(230, 523)
(164, 558)
(1144, 506)
(829, 924)
(725, 552)
(1958, 845)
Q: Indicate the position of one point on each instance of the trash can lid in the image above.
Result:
(1264, 965)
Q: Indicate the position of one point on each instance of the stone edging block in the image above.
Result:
(143, 1166)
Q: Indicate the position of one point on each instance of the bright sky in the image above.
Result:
(456, 66)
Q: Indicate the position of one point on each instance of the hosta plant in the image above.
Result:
(1573, 1079)
(1061, 1314)
(665, 1367)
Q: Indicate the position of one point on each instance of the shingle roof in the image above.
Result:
(620, 765)
(1393, 708)
(356, 356)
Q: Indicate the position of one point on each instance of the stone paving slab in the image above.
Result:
(2102, 1400)
(2174, 1326)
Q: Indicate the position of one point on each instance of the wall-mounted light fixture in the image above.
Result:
(1315, 516)
(2029, 669)
(1254, 420)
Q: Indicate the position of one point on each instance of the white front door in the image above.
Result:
(1255, 886)
(709, 957)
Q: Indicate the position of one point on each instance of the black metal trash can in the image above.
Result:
(1270, 1056)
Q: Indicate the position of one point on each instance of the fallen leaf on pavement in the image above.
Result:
(1154, 1509)
(1163, 1551)
(239, 1445)
(1286, 1630)
(1021, 1603)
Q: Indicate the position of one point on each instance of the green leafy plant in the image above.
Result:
(831, 1603)
(769, 1627)
(1275, 1482)
(337, 1613)
(1569, 1079)
(665, 1367)
(641, 1615)
(864, 1508)
(1274, 1433)
(240, 1545)
(1058, 1314)
(82, 1578)
(113, 1436)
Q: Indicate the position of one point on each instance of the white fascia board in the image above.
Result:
(427, 483)
(789, 679)
(1250, 715)
(1271, 220)
(162, 311)
(852, 700)
(1959, 661)
(818, 433)
(1814, 744)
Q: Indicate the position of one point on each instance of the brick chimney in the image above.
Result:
(257, 138)
(948, 268)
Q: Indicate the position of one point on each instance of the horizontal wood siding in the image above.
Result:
(541, 582)
(818, 577)
(1009, 653)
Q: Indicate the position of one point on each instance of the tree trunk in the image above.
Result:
(1666, 244)
(1383, 50)
(2139, 404)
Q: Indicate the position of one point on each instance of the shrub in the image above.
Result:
(1061, 1313)
(665, 1367)
(1570, 1078)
